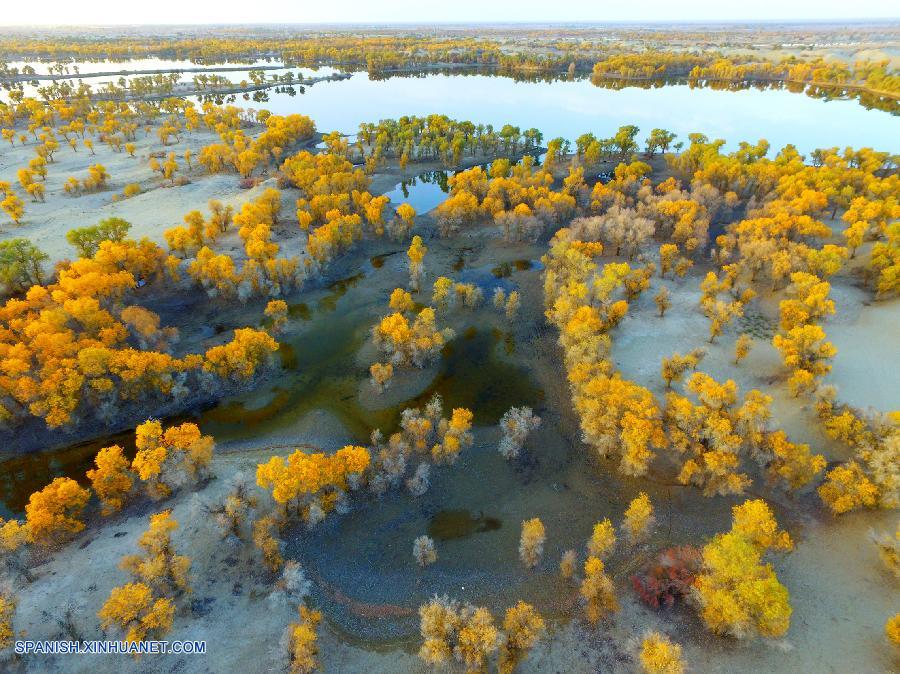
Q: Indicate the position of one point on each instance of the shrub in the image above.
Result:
(131, 190)
(669, 577)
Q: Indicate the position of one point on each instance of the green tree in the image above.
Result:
(86, 240)
(20, 264)
(659, 139)
(624, 141)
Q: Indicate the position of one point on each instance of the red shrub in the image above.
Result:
(669, 577)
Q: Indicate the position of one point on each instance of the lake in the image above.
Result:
(570, 108)
(564, 108)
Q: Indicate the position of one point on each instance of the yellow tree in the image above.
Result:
(14, 539)
(133, 609)
(265, 538)
(158, 566)
(302, 642)
(25, 177)
(13, 207)
(36, 190)
(597, 591)
(800, 340)
(72, 185)
(312, 484)
(531, 542)
(410, 344)
(423, 551)
(662, 301)
(807, 302)
(97, 178)
(720, 314)
(619, 416)
(53, 512)
(668, 253)
(232, 510)
(742, 347)
(567, 564)
(602, 540)
(169, 167)
(806, 352)
(7, 613)
(216, 273)
(847, 488)
(374, 212)
(522, 627)
(477, 638)
(892, 630)
(220, 217)
(738, 594)
(716, 432)
(439, 623)
(660, 656)
(111, 479)
(416, 254)
(512, 305)
(790, 463)
(39, 166)
(675, 366)
(403, 222)
(884, 263)
(441, 295)
(276, 311)
(164, 459)
(639, 519)
(889, 549)
(401, 301)
(454, 435)
(381, 375)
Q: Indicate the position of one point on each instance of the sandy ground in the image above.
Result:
(836, 581)
(159, 207)
(840, 592)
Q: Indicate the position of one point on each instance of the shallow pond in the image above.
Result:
(423, 192)
(430, 189)
(319, 372)
(366, 578)
(22, 475)
(449, 524)
(324, 375)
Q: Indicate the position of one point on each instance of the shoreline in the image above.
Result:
(337, 77)
(129, 73)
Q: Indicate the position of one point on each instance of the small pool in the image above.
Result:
(423, 192)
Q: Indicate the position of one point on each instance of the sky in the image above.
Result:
(90, 12)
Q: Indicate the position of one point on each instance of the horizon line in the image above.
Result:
(464, 23)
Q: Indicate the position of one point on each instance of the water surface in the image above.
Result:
(571, 108)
